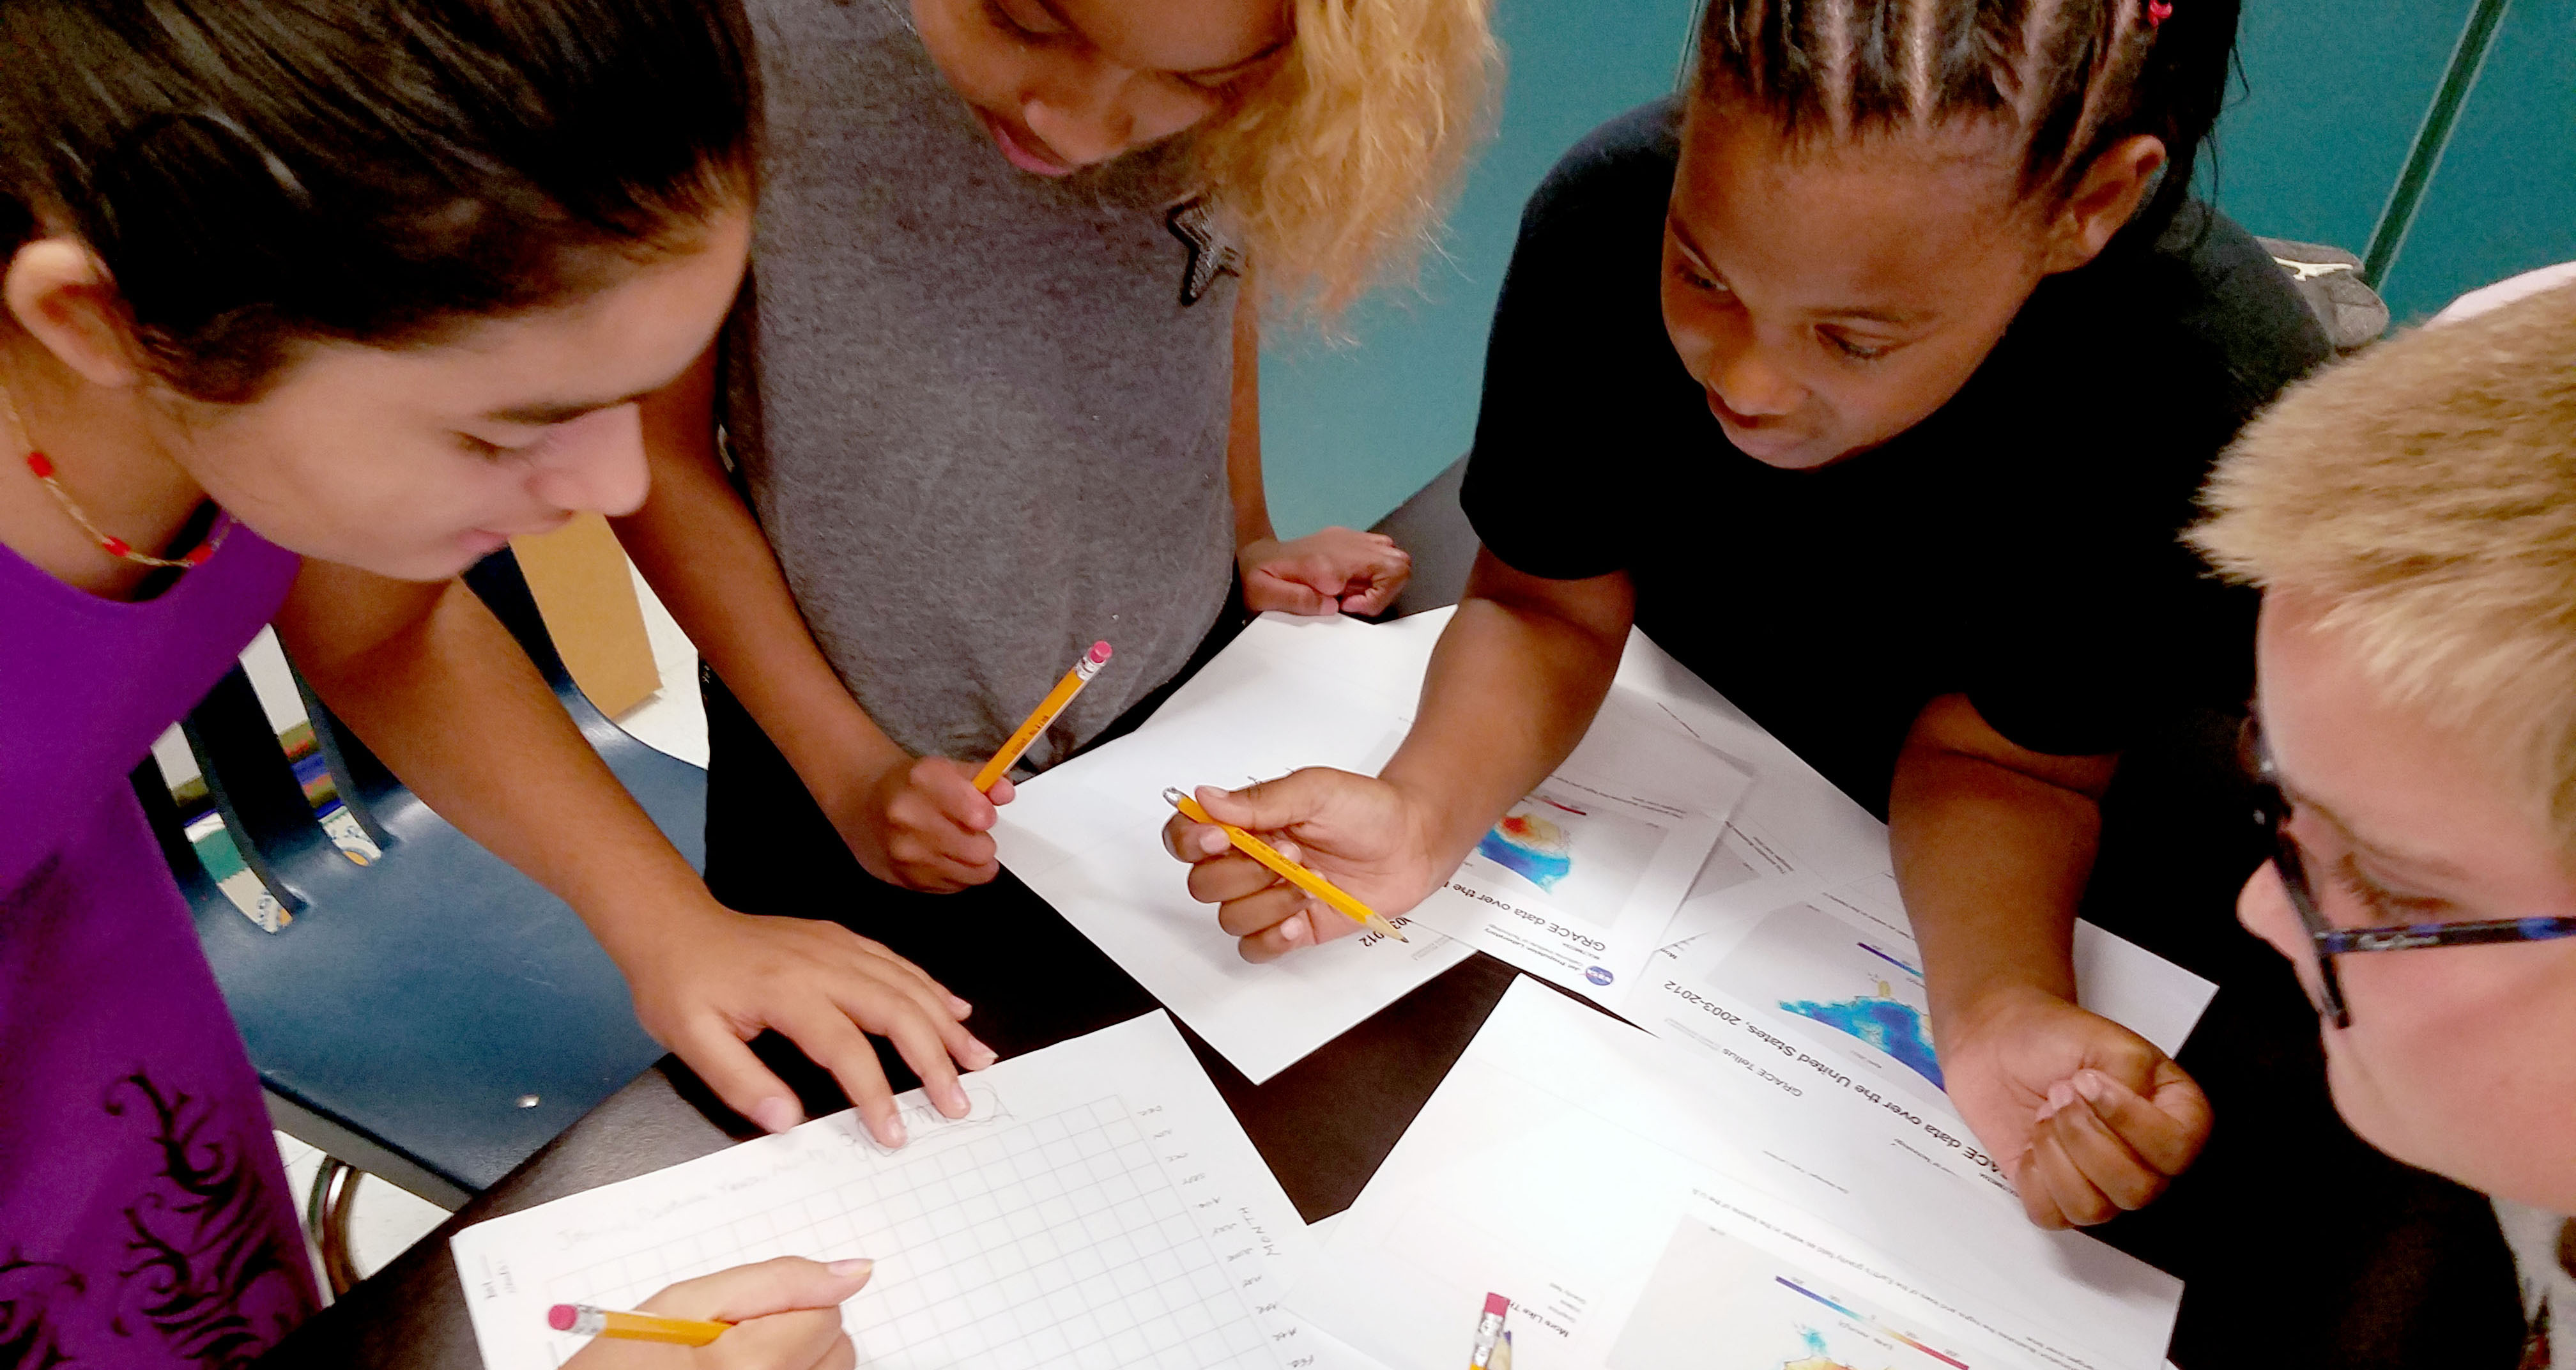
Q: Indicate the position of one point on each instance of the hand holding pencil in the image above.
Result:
(926, 824)
(783, 1314)
(1355, 832)
(923, 825)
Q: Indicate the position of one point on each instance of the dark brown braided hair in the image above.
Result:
(2072, 76)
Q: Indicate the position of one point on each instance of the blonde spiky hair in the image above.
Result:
(1335, 169)
(2425, 492)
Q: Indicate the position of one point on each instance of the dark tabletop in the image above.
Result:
(1324, 1124)
(2285, 1261)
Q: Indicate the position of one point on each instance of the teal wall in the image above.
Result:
(2504, 199)
(1348, 430)
(2332, 94)
(2333, 97)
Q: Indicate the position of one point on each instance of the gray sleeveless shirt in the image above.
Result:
(973, 411)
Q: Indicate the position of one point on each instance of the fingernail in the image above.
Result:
(2089, 1083)
(852, 1268)
(986, 1055)
(2060, 1095)
(959, 1006)
(958, 1101)
(894, 1131)
(775, 1114)
(1294, 930)
(1213, 841)
(1289, 850)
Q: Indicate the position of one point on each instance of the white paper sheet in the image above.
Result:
(1087, 837)
(1100, 1206)
(1631, 1202)
(1798, 841)
(1577, 883)
(1296, 692)
(1832, 986)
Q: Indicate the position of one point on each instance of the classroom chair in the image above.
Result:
(433, 1017)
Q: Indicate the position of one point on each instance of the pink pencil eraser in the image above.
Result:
(1099, 653)
(1496, 1305)
(562, 1316)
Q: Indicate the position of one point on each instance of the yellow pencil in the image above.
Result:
(1044, 714)
(583, 1320)
(1288, 870)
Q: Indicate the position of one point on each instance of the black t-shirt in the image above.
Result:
(2018, 546)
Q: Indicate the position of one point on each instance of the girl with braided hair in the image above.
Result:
(1872, 375)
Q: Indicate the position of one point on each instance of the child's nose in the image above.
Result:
(2263, 908)
(1086, 119)
(598, 465)
(1750, 384)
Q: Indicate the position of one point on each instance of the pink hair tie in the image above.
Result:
(2158, 11)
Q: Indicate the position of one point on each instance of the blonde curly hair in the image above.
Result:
(1333, 171)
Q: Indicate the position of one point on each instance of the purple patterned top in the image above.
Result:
(144, 1216)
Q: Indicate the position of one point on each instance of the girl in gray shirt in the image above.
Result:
(991, 393)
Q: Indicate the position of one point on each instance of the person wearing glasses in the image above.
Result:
(2410, 517)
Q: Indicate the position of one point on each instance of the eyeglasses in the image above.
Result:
(2272, 810)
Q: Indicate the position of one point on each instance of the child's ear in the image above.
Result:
(2102, 201)
(62, 295)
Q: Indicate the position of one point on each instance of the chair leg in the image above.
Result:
(326, 1221)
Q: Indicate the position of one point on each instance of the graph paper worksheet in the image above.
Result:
(1098, 1207)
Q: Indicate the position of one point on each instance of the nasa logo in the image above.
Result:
(1597, 976)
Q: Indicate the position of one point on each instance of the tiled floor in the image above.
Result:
(386, 1220)
(674, 719)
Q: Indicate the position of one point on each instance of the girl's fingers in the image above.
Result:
(940, 805)
(1379, 595)
(2069, 1188)
(962, 849)
(879, 955)
(932, 1007)
(945, 872)
(1194, 842)
(894, 984)
(1287, 935)
(832, 1041)
(2165, 1132)
(1227, 879)
(2124, 1178)
(1326, 924)
(764, 1289)
(920, 1047)
(930, 855)
(1276, 591)
(735, 1075)
(781, 1339)
(1264, 908)
(1388, 563)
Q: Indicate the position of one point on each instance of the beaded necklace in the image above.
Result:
(114, 546)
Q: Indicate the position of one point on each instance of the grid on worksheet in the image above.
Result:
(1060, 1243)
